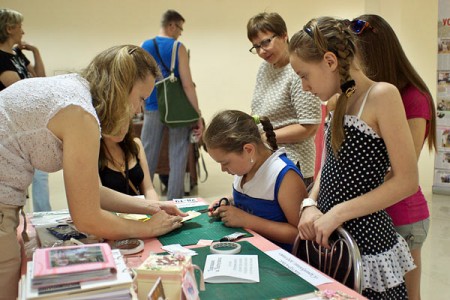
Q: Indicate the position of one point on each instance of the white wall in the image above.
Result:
(70, 33)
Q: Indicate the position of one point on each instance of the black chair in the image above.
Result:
(342, 261)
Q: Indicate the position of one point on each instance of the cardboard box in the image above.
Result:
(170, 268)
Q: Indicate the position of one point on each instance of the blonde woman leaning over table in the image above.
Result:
(362, 141)
(267, 188)
(56, 125)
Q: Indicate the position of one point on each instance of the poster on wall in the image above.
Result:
(441, 182)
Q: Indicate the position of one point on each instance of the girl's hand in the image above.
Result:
(324, 227)
(214, 212)
(306, 225)
(232, 216)
(162, 223)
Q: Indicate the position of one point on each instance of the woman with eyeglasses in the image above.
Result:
(278, 94)
(390, 64)
(362, 139)
(55, 123)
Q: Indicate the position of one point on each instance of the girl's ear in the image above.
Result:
(331, 60)
(249, 149)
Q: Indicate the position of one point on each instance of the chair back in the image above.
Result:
(342, 261)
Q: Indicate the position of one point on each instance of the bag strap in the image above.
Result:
(174, 53)
(128, 179)
(197, 148)
(172, 60)
(204, 168)
(159, 56)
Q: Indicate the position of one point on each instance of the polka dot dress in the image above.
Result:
(362, 162)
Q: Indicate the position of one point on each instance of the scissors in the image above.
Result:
(212, 209)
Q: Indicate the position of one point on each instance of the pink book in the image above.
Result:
(72, 264)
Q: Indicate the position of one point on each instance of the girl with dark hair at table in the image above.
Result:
(267, 188)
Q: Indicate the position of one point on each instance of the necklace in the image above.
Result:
(118, 165)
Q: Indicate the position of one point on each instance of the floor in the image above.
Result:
(435, 253)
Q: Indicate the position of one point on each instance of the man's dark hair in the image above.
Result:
(171, 16)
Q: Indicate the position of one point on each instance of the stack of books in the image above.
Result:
(76, 272)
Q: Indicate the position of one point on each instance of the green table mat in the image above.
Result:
(199, 228)
(275, 280)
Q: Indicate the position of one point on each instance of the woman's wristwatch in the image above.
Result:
(307, 202)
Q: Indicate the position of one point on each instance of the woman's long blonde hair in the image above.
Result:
(111, 76)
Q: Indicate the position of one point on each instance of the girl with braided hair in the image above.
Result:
(267, 188)
(362, 139)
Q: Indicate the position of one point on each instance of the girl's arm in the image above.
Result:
(292, 191)
(79, 133)
(385, 113)
(146, 187)
(310, 214)
(417, 126)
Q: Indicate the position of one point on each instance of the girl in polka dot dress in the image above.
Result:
(366, 135)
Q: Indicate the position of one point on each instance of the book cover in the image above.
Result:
(72, 264)
(119, 284)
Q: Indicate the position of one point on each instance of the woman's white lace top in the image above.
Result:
(25, 141)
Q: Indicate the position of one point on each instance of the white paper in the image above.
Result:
(299, 267)
(223, 268)
(188, 202)
(51, 217)
(191, 214)
(177, 248)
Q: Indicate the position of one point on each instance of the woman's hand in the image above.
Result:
(306, 225)
(163, 223)
(25, 46)
(171, 209)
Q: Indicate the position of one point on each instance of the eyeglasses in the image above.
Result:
(179, 27)
(264, 45)
(358, 26)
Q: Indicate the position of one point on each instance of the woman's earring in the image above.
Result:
(251, 160)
